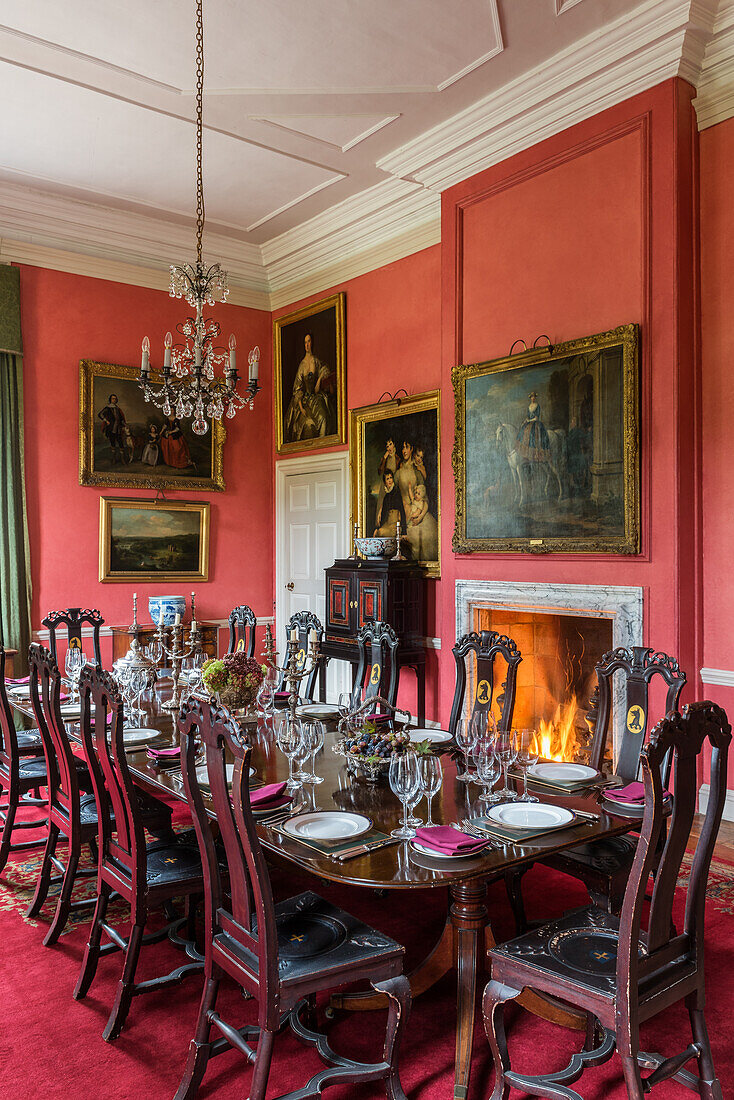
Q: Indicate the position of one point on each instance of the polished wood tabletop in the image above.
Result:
(398, 867)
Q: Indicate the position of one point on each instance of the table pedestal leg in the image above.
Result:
(470, 920)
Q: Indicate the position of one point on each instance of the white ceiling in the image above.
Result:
(310, 105)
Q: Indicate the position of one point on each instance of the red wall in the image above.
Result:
(717, 340)
(66, 318)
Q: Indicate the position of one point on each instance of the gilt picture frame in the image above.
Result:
(395, 459)
(153, 540)
(126, 442)
(546, 450)
(309, 356)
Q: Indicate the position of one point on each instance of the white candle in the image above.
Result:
(232, 353)
(312, 637)
(177, 620)
(254, 363)
(294, 635)
(145, 356)
(193, 625)
(161, 617)
(167, 344)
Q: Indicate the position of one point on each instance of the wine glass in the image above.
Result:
(290, 739)
(506, 751)
(464, 737)
(526, 755)
(431, 778)
(265, 697)
(403, 777)
(488, 770)
(137, 684)
(73, 662)
(316, 736)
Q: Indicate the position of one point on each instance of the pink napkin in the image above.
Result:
(164, 755)
(281, 694)
(449, 841)
(18, 680)
(269, 797)
(633, 792)
(376, 717)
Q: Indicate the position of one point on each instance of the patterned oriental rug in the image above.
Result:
(51, 1046)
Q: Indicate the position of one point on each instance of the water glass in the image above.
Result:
(465, 737)
(526, 756)
(404, 783)
(314, 734)
(290, 741)
(488, 770)
(73, 662)
(431, 778)
(506, 751)
(137, 684)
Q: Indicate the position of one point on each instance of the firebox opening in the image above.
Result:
(556, 677)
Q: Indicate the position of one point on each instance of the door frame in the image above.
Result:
(306, 464)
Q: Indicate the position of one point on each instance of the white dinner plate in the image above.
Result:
(530, 815)
(20, 690)
(434, 854)
(329, 825)
(139, 735)
(560, 772)
(202, 775)
(436, 737)
(319, 711)
(632, 805)
(71, 710)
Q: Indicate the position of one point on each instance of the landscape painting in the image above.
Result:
(125, 441)
(151, 540)
(395, 458)
(547, 449)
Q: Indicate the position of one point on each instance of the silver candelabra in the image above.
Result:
(298, 664)
(177, 652)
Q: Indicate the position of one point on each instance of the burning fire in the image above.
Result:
(558, 739)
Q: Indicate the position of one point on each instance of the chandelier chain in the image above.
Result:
(199, 128)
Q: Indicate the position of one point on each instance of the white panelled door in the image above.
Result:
(312, 510)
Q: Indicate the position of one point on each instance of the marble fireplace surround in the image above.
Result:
(622, 604)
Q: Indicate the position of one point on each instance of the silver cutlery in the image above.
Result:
(363, 849)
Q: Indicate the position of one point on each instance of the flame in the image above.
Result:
(557, 739)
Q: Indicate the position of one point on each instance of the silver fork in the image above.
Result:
(465, 826)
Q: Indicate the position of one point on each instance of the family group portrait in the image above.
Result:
(399, 475)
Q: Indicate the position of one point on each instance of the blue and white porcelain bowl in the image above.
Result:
(169, 605)
(377, 547)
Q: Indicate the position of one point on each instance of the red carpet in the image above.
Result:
(51, 1046)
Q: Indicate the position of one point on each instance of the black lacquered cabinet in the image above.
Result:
(364, 590)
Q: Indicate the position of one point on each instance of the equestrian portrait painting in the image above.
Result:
(546, 452)
(309, 352)
(125, 441)
(395, 457)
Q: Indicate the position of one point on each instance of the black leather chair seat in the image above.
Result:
(170, 862)
(313, 932)
(29, 742)
(607, 855)
(581, 945)
(33, 767)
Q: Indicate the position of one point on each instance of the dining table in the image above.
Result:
(467, 935)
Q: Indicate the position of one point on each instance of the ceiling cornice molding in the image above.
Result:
(381, 220)
(661, 39)
(715, 100)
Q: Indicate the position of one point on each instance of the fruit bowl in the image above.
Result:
(368, 751)
(377, 547)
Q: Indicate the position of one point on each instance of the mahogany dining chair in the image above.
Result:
(618, 970)
(281, 954)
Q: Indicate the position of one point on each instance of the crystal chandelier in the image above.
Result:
(190, 387)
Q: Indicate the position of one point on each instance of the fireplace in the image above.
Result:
(561, 631)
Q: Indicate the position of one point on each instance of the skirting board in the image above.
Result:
(703, 801)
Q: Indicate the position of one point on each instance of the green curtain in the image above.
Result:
(15, 569)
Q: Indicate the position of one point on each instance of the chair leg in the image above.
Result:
(44, 875)
(126, 985)
(632, 1077)
(493, 1004)
(262, 1065)
(94, 851)
(199, 1046)
(7, 836)
(513, 886)
(91, 952)
(397, 991)
(710, 1085)
(63, 906)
